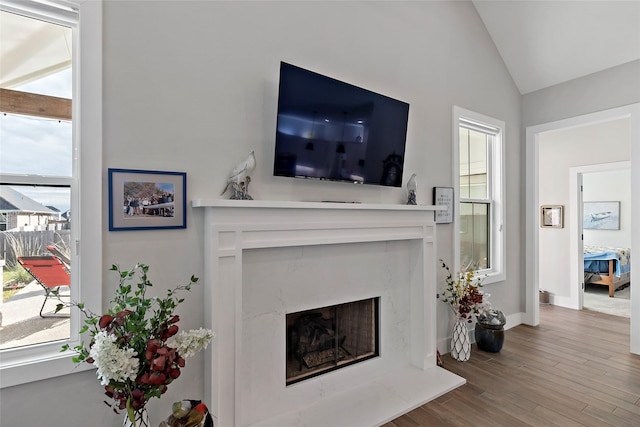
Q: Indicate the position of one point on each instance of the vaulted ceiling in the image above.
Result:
(543, 43)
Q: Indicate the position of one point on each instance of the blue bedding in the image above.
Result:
(596, 259)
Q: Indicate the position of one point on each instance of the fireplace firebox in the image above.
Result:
(324, 339)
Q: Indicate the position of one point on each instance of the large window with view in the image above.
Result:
(38, 178)
(480, 238)
(43, 144)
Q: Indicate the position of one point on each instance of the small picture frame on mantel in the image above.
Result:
(443, 196)
(552, 216)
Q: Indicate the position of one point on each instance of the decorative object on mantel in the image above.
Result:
(135, 346)
(443, 196)
(239, 179)
(188, 413)
(412, 188)
(464, 298)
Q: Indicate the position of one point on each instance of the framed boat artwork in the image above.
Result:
(601, 216)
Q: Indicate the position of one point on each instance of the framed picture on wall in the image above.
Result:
(552, 216)
(443, 196)
(601, 216)
(144, 200)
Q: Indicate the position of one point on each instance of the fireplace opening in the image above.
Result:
(329, 338)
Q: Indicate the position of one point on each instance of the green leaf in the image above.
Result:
(130, 411)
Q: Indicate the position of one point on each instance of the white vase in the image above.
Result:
(460, 344)
(141, 418)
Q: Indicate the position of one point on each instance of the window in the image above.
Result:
(45, 164)
(478, 154)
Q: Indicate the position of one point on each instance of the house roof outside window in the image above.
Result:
(12, 200)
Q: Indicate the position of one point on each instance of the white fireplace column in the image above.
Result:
(248, 389)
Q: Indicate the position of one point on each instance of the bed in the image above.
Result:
(609, 266)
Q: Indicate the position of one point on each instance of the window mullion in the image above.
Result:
(474, 200)
(44, 181)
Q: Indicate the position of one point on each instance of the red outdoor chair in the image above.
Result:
(49, 272)
(63, 257)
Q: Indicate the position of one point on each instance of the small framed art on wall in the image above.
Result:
(143, 200)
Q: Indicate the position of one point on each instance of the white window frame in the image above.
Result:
(42, 361)
(495, 178)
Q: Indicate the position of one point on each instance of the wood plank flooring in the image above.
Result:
(574, 369)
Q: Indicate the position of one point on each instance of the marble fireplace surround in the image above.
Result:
(264, 259)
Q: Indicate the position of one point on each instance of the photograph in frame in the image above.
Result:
(144, 200)
(552, 216)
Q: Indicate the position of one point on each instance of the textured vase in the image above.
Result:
(141, 419)
(460, 344)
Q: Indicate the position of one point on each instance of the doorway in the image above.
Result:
(570, 298)
(591, 186)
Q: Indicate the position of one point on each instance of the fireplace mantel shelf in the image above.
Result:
(264, 259)
(275, 204)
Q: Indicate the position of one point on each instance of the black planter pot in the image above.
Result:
(490, 340)
(489, 331)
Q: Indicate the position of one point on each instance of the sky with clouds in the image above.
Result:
(33, 145)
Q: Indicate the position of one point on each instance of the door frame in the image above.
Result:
(532, 217)
(576, 242)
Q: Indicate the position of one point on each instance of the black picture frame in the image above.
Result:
(146, 200)
(443, 196)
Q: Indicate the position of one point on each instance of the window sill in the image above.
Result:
(492, 277)
(23, 367)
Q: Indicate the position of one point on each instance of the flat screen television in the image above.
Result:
(331, 130)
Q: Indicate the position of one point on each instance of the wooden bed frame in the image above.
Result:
(611, 279)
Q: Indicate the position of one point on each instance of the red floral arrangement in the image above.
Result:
(135, 346)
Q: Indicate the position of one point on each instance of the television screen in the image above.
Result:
(332, 130)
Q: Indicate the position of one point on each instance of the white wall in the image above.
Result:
(561, 150)
(192, 86)
(610, 186)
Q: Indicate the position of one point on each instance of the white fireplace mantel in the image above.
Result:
(249, 288)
